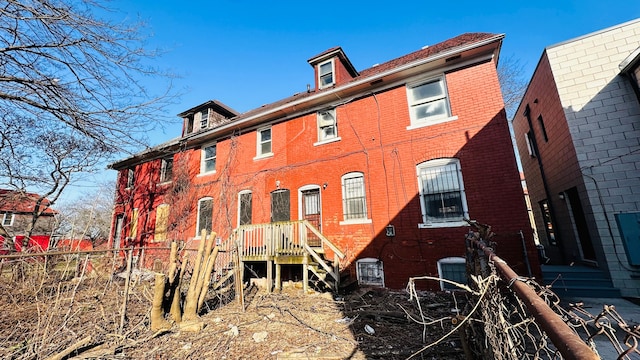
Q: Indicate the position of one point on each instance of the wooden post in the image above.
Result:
(269, 275)
(278, 284)
(305, 274)
(126, 291)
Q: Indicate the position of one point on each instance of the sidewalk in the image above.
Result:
(628, 311)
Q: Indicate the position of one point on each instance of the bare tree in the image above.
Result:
(88, 216)
(70, 92)
(512, 83)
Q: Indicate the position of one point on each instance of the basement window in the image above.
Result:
(370, 272)
(453, 269)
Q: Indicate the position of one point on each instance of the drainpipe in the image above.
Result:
(526, 256)
(543, 176)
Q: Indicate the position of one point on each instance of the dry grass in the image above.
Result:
(43, 315)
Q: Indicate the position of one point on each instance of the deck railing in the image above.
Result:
(265, 241)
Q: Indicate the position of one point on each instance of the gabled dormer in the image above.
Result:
(205, 116)
(332, 67)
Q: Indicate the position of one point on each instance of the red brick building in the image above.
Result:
(385, 163)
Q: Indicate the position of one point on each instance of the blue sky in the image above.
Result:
(247, 53)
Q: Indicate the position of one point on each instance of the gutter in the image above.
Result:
(306, 103)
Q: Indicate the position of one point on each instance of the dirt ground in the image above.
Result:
(41, 317)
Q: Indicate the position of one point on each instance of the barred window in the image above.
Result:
(354, 200)
(442, 197)
(370, 272)
(244, 207)
(205, 215)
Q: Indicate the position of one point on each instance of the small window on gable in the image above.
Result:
(327, 125)
(428, 103)
(370, 272)
(205, 216)
(208, 159)
(204, 119)
(7, 219)
(189, 129)
(354, 199)
(442, 195)
(264, 142)
(325, 74)
(452, 269)
(166, 169)
(130, 178)
(244, 207)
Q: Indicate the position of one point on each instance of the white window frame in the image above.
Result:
(163, 169)
(204, 159)
(204, 118)
(445, 261)
(208, 198)
(11, 219)
(131, 178)
(379, 269)
(244, 192)
(413, 103)
(332, 73)
(303, 189)
(259, 143)
(362, 220)
(322, 124)
(435, 164)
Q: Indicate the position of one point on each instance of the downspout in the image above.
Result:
(552, 213)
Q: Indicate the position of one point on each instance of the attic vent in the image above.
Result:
(452, 58)
(425, 47)
(374, 65)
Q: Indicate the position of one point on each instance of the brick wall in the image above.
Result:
(374, 140)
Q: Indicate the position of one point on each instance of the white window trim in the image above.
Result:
(258, 144)
(131, 178)
(415, 123)
(465, 210)
(203, 159)
(163, 170)
(370, 260)
(304, 188)
(319, 130)
(333, 74)
(242, 192)
(200, 122)
(448, 260)
(364, 220)
(198, 215)
(4, 219)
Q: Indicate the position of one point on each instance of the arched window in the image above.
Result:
(205, 215)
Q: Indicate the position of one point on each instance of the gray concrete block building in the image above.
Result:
(578, 134)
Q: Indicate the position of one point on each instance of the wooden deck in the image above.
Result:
(289, 243)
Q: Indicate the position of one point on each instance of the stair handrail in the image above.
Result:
(320, 261)
(325, 241)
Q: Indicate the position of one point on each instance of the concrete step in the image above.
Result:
(578, 281)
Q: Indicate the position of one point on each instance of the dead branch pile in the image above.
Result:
(79, 317)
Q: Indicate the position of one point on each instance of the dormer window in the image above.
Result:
(204, 119)
(189, 129)
(325, 74)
